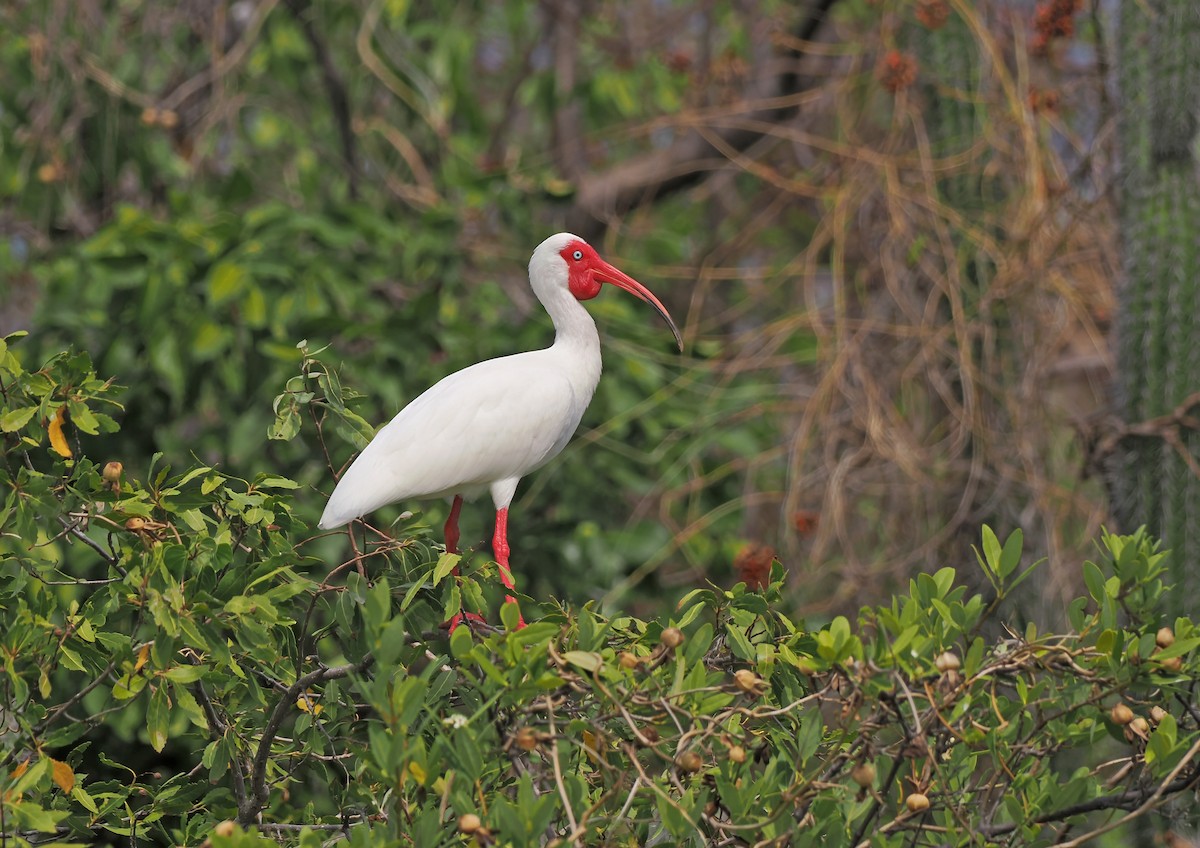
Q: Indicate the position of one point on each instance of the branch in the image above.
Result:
(254, 803)
(339, 102)
(618, 189)
(56, 712)
(1138, 800)
(72, 527)
(219, 728)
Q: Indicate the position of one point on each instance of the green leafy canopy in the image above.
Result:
(179, 665)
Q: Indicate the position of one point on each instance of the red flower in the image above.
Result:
(896, 70)
(1053, 19)
(933, 14)
(753, 565)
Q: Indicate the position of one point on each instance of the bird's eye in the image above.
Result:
(577, 255)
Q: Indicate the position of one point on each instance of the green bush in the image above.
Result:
(200, 315)
(177, 659)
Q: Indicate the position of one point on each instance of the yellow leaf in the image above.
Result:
(306, 704)
(21, 768)
(414, 768)
(143, 656)
(592, 747)
(57, 440)
(63, 776)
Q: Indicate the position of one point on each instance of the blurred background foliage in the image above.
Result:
(885, 225)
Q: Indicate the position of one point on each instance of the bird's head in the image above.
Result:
(566, 260)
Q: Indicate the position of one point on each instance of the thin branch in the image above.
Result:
(688, 160)
(219, 728)
(558, 776)
(72, 527)
(248, 811)
(1138, 799)
(335, 87)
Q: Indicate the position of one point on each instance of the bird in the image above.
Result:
(485, 427)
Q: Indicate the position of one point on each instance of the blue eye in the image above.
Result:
(577, 255)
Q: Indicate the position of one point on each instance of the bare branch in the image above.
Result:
(257, 799)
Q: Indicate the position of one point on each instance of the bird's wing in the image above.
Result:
(496, 420)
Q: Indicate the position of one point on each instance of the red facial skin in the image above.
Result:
(581, 262)
(586, 272)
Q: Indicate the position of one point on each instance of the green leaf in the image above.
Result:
(1010, 557)
(510, 615)
(672, 816)
(226, 281)
(453, 603)
(991, 549)
(740, 644)
(1093, 577)
(446, 563)
(185, 673)
(83, 418)
(15, 419)
(272, 481)
(70, 659)
(158, 716)
(587, 660)
(461, 642)
(1162, 740)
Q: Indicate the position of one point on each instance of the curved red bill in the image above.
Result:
(606, 273)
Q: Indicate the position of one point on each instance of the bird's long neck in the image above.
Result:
(575, 336)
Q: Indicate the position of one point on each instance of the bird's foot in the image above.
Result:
(459, 617)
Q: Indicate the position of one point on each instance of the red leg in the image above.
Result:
(450, 531)
(501, 551)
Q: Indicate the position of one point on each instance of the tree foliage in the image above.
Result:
(177, 661)
(883, 225)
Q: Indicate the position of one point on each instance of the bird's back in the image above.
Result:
(497, 420)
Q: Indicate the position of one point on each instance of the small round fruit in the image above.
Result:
(1121, 714)
(737, 754)
(690, 761)
(526, 739)
(672, 637)
(948, 661)
(1157, 714)
(863, 774)
(135, 524)
(916, 803)
(748, 681)
(469, 823)
(1172, 664)
(650, 734)
(1140, 726)
(224, 828)
(629, 660)
(112, 472)
(1165, 637)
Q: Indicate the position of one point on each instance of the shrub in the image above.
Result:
(179, 666)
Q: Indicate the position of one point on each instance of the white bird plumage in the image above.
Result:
(485, 427)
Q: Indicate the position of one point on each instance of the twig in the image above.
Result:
(1120, 800)
(72, 527)
(558, 776)
(218, 729)
(339, 101)
(226, 63)
(618, 189)
(254, 803)
(866, 822)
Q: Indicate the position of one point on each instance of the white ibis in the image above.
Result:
(487, 426)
